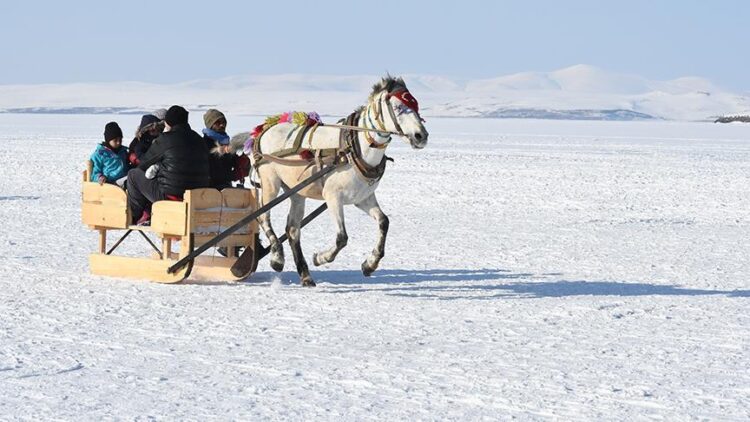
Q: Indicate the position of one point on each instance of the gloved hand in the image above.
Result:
(151, 171)
(242, 169)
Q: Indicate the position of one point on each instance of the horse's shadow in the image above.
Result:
(485, 284)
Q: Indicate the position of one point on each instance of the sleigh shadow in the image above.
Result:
(487, 284)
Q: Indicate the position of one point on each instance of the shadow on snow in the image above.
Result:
(450, 284)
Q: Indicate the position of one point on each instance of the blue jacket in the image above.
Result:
(112, 164)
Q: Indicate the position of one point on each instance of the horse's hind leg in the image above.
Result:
(336, 208)
(270, 190)
(371, 207)
(296, 212)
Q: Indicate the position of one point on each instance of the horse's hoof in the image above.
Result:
(316, 262)
(366, 270)
(277, 266)
(308, 282)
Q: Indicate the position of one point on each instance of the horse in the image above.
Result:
(360, 159)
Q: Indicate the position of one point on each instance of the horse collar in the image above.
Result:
(370, 174)
(370, 140)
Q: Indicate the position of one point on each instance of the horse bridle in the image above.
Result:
(408, 101)
(400, 94)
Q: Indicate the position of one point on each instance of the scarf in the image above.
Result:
(221, 138)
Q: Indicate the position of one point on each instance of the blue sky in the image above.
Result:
(172, 41)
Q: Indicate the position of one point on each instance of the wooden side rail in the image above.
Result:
(104, 206)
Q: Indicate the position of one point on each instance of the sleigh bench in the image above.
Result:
(198, 218)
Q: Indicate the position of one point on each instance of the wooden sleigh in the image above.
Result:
(197, 219)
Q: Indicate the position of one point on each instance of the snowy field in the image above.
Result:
(537, 270)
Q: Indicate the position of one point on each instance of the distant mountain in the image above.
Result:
(576, 92)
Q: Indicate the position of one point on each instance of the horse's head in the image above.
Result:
(399, 110)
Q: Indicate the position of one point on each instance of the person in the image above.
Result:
(110, 158)
(160, 113)
(149, 129)
(223, 161)
(182, 157)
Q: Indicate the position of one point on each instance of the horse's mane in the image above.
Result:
(389, 84)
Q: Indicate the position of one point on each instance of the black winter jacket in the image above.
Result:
(222, 166)
(183, 160)
(138, 147)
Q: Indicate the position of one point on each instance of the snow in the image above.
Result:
(534, 269)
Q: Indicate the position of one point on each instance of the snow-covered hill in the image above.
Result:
(576, 92)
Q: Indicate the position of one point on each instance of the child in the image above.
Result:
(149, 129)
(110, 158)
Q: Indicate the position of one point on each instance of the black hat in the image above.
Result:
(111, 131)
(147, 119)
(176, 115)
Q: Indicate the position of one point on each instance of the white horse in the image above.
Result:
(390, 108)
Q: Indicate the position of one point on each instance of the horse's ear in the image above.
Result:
(391, 83)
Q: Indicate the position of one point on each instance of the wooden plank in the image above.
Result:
(166, 247)
(100, 215)
(231, 220)
(220, 219)
(104, 194)
(135, 268)
(88, 171)
(102, 240)
(238, 198)
(231, 240)
(203, 198)
(169, 217)
(213, 268)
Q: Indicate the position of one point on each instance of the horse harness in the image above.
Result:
(348, 150)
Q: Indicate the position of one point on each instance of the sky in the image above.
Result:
(174, 41)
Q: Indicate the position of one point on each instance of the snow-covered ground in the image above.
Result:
(534, 269)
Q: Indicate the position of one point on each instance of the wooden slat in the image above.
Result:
(109, 216)
(104, 194)
(169, 217)
(231, 240)
(203, 218)
(88, 171)
(136, 268)
(238, 198)
(203, 198)
(213, 268)
(102, 240)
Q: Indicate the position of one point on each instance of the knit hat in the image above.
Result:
(147, 119)
(111, 131)
(212, 116)
(160, 113)
(176, 115)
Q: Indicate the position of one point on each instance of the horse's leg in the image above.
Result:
(336, 209)
(296, 212)
(370, 207)
(271, 188)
